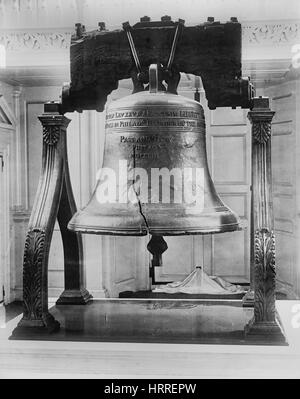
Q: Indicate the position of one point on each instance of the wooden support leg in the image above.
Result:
(53, 198)
(36, 317)
(265, 325)
(75, 292)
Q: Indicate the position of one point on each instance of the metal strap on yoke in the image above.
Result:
(127, 28)
(179, 29)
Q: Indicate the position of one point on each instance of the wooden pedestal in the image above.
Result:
(263, 272)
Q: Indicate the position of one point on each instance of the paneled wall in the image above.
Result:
(286, 167)
(229, 149)
(7, 189)
(6, 135)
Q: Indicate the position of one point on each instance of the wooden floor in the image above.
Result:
(69, 359)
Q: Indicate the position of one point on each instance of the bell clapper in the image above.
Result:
(156, 246)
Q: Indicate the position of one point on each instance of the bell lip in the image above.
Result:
(108, 231)
(227, 228)
(159, 232)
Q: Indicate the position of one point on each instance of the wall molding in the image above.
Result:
(253, 33)
(270, 33)
(6, 250)
(36, 40)
(8, 113)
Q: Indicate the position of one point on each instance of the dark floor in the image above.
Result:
(13, 310)
(142, 320)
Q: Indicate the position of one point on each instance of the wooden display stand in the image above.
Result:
(264, 322)
(54, 198)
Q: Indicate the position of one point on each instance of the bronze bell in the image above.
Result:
(155, 177)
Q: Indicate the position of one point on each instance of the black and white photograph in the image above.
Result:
(149, 192)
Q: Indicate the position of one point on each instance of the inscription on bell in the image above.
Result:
(145, 139)
(145, 118)
(146, 146)
(148, 113)
(153, 123)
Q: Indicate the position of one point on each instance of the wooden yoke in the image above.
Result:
(212, 50)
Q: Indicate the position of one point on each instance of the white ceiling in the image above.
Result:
(65, 13)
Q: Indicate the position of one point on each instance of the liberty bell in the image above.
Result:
(155, 176)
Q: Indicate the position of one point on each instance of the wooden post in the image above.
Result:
(75, 293)
(53, 198)
(248, 299)
(265, 324)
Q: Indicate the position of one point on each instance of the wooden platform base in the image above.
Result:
(272, 330)
(177, 295)
(74, 297)
(49, 325)
(151, 321)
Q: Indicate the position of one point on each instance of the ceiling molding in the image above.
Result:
(279, 33)
(36, 40)
(257, 34)
(7, 112)
(40, 57)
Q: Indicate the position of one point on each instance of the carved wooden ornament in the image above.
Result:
(51, 134)
(261, 132)
(32, 274)
(265, 275)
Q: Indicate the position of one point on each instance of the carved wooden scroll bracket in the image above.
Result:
(54, 199)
